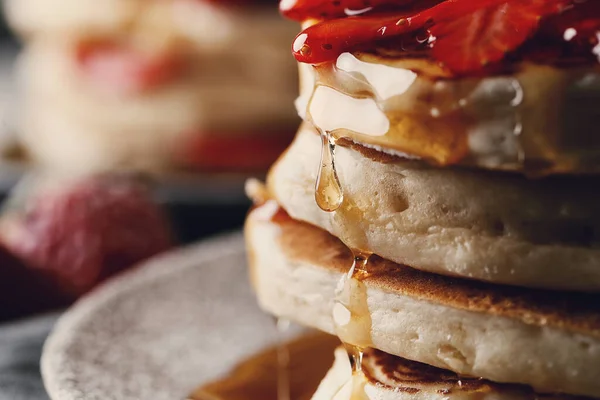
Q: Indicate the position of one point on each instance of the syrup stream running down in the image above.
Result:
(283, 362)
(329, 195)
(351, 315)
(352, 321)
(328, 191)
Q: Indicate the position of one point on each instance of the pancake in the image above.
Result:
(531, 115)
(70, 16)
(544, 339)
(68, 120)
(537, 120)
(393, 378)
(496, 227)
(205, 25)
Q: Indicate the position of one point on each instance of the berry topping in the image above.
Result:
(300, 10)
(78, 235)
(485, 36)
(464, 36)
(124, 69)
(570, 37)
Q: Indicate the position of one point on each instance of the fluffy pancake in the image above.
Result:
(497, 227)
(70, 16)
(545, 339)
(388, 377)
(206, 25)
(67, 119)
(540, 119)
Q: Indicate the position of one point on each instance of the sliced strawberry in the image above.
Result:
(465, 35)
(325, 41)
(583, 19)
(480, 38)
(124, 69)
(301, 10)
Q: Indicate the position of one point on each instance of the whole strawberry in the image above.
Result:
(78, 234)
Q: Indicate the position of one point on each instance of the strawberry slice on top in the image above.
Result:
(301, 10)
(476, 40)
(465, 36)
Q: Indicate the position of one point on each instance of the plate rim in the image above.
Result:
(152, 269)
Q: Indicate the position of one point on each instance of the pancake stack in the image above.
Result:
(439, 209)
(154, 84)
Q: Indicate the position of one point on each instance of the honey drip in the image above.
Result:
(328, 192)
(352, 321)
(256, 378)
(283, 362)
(488, 121)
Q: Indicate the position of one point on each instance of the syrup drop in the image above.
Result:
(328, 192)
(352, 320)
(351, 311)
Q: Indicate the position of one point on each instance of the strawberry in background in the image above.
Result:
(73, 235)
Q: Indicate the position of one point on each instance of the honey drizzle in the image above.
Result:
(352, 320)
(328, 191)
(351, 315)
(283, 362)
(329, 194)
(310, 357)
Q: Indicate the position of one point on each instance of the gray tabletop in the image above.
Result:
(20, 349)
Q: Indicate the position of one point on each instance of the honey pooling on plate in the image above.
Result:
(256, 378)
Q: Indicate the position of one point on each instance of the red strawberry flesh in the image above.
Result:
(467, 37)
(81, 234)
(302, 10)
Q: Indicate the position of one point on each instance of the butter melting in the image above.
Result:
(535, 120)
(329, 195)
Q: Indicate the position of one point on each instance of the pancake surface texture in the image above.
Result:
(70, 16)
(496, 227)
(70, 120)
(538, 119)
(544, 339)
(388, 377)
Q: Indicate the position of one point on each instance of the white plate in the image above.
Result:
(161, 330)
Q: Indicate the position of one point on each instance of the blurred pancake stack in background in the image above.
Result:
(192, 94)
(153, 85)
(439, 209)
